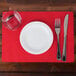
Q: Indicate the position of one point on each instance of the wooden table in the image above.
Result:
(38, 5)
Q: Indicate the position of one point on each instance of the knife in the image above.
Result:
(65, 37)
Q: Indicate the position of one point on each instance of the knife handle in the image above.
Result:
(64, 50)
(58, 50)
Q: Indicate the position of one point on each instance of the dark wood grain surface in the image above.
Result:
(38, 5)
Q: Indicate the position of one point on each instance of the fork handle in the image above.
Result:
(58, 49)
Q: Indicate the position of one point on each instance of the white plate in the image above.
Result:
(36, 37)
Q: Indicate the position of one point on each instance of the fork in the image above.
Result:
(57, 30)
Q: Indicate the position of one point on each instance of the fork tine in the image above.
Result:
(57, 22)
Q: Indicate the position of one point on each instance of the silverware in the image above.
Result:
(57, 30)
(65, 37)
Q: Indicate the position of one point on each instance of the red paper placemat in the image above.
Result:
(11, 47)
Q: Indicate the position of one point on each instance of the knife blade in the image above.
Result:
(65, 37)
(65, 24)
